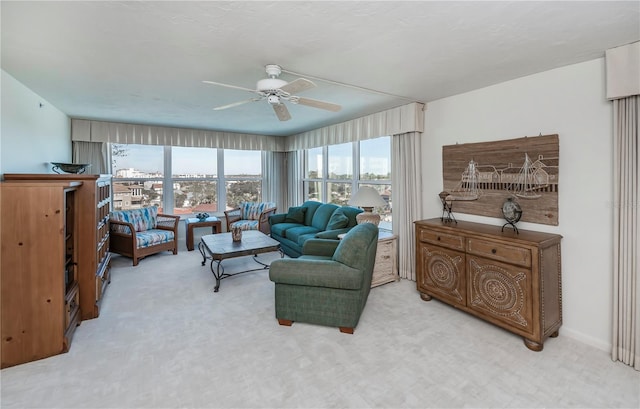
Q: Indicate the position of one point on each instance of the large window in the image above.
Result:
(184, 180)
(314, 165)
(194, 173)
(138, 172)
(243, 177)
(348, 167)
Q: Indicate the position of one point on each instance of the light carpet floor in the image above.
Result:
(165, 340)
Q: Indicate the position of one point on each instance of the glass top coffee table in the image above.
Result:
(219, 247)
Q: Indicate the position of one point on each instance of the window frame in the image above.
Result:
(355, 181)
(168, 202)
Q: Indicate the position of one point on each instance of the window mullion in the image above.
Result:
(325, 174)
(167, 183)
(222, 186)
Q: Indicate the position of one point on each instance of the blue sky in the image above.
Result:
(149, 158)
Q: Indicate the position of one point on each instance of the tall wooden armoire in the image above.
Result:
(39, 281)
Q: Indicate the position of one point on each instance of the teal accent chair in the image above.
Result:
(329, 284)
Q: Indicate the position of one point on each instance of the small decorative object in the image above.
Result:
(512, 213)
(202, 216)
(236, 233)
(367, 198)
(447, 204)
(70, 167)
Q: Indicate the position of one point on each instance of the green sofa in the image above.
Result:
(329, 284)
(309, 221)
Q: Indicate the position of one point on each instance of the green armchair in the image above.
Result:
(329, 284)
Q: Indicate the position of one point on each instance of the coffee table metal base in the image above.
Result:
(260, 244)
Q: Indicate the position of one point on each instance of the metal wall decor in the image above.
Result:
(479, 177)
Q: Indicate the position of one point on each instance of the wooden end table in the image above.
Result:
(192, 223)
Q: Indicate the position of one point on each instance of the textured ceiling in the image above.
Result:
(144, 62)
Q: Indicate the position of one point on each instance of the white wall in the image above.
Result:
(31, 136)
(569, 101)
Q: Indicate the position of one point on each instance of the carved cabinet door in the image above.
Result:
(501, 293)
(442, 273)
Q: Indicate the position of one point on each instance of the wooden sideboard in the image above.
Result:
(508, 279)
(94, 258)
(39, 276)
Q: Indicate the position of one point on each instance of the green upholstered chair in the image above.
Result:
(329, 284)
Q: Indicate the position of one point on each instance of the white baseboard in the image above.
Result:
(585, 339)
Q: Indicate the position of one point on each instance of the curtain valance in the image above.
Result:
(623, 68)
(115, 132)
(401, 120)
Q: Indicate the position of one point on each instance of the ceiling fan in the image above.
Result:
(276, 91)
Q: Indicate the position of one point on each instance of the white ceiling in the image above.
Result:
(144, 62)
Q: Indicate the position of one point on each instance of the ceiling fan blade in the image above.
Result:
(281, 112)
(235, 104)
(230, 86)
(316, 104)
(296, 86)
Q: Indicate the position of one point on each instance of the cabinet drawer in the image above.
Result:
(500, 251)
(442, 239)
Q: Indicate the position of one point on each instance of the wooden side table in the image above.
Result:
(386, 267)
(192, 223)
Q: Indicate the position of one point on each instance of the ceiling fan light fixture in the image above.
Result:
(270, 84)
(273, 99)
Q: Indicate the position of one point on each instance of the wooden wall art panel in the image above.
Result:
(479, 177)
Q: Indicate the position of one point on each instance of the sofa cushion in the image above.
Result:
(152, 237)
(295, 233)
(322, 215)
(280, 229)
(251, 210)
(295, 215)
(351, 213)
(246, 224)
(338, 220)
(311, 206)
(304, 237)
(142, 219)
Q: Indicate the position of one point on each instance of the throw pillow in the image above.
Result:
(295, 215)
(338, 220)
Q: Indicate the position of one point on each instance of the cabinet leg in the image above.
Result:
(555, 334)
(532, 345)
(425, 297)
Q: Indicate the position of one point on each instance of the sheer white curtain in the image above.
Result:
(274, 178)
(281, 180)
(623, 87)
(626, 240)
(406, 177)
(294, 193)
(94, 153)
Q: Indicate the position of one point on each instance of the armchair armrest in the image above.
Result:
(317, 273)
(264, 216)
(232, 216)
(121, 228)
(168, 222)
(263, 220)
(332, 234)
(320, 247)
